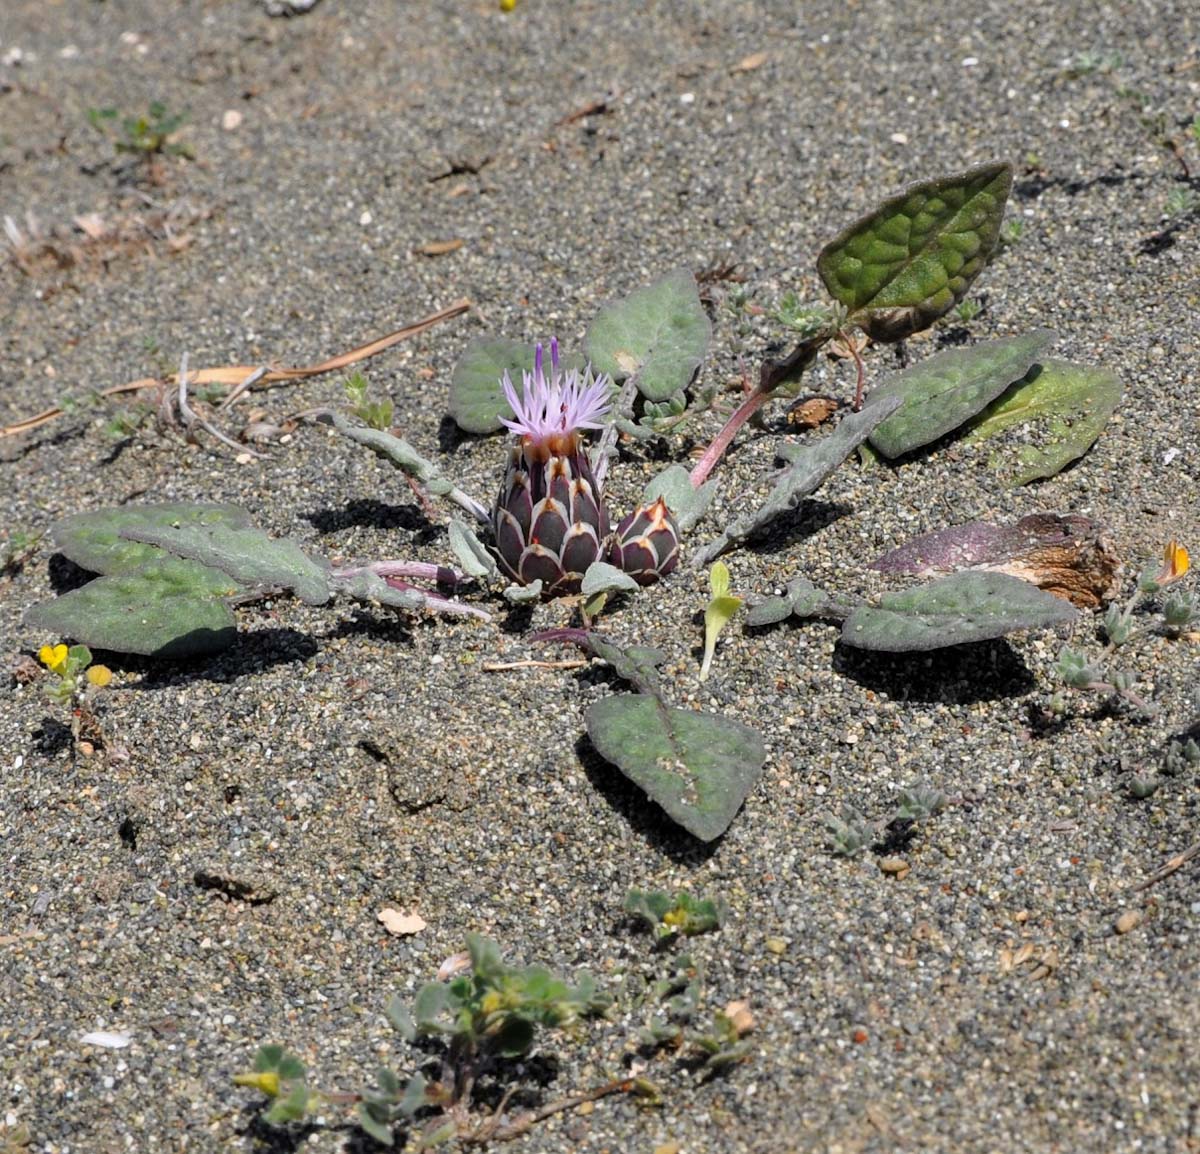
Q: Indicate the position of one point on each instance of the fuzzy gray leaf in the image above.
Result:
(245, 553)
(687, 505)
(166, 608)
(803, 476)
(475, 557)
(698, 767)
(601, 577)
(966, 607)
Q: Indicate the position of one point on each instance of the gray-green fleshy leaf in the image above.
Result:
(660, 332)
(387, 445)
(477, 400)
(245, 553)
(946, 390)
(1063, 408)
(913, 258)
(368, 586)
(802, 599)
(965, 607)
(523, 594)
(94, 541)
(637, 664)
(698, 767)
(803, 476)
(601, 577)
(475, 557)
(165, 608)
(674, 486)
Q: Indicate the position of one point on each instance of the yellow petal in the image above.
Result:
(53, 657)
(99, 675)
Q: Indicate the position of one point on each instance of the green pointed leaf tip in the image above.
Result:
(94, 540)
(245, 553)
(719, 612)
(1063, 407)
(944, 391)
(913, 258)
(167, 608)
(660, 332)
(477, 399)
(698, 767)
(962, 608)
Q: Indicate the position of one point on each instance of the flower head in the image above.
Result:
(550, 410)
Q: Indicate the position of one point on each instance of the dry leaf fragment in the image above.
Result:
(399, 923)
(454, 964)
(751, 62)
(811, 412)
(441, 247)
(91, 224)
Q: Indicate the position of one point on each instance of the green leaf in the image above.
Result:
(401, 1018)
(913, 258)
(374, 1127)
(698, 767)
(806, 473)
(245, 553)
(944, 391)
(473, 555)
(167, 608)
(430, 1004)
(660, 333)
(601, 577)
(1062, 407)
(94, 540)
(674, 486)
(964, 607)
(291, 1108)
(477, 400)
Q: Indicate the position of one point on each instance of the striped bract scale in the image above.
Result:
(550, 522)
(646, 543)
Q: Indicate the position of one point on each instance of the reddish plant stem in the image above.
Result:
(847, 339)
(753, 402)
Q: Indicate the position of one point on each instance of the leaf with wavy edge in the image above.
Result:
(913, 258)
(1065, 408)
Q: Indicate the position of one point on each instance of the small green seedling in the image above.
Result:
(967, 310)
(147, 136)
(720, 611)
(373, 414)
(72, 672)
(669, 917)
(16, 548)
(487, 1016)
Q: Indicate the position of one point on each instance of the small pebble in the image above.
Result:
(1129, 920)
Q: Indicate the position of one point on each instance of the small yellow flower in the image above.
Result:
(492, 1001)
(507, 5)
(99, 675)
(1176, 563)
(54, 658)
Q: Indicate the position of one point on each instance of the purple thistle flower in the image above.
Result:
(556, 407)
(549, 520)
